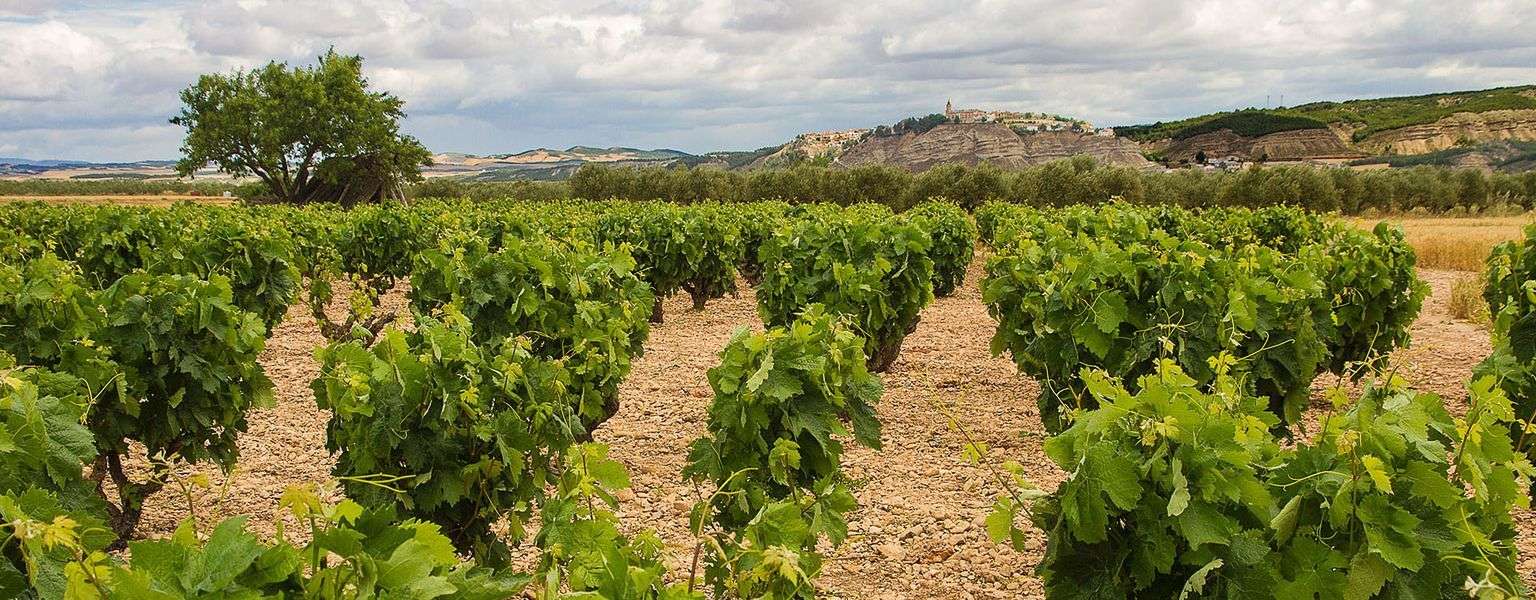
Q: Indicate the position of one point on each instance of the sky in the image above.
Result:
(99, 80)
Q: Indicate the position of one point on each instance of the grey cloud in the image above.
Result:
(503, 75)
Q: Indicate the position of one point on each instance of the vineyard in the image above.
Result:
(641, 399)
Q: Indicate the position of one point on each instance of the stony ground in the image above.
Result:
(918, 533)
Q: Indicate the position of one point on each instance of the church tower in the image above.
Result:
(949, 108)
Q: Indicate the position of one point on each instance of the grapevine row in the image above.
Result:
(1174, 348)
(470, 410)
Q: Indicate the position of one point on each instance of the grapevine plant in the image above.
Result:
(583, 306)
(448, 429)
(654, 234)
(43, 488)
(1070, 300)
(169, 362)
(1176, 489)
(353, 552)
(582, 548)
(371, 248)
(782, 400)
(714, 248)
(1510, 291)
(873, 269)
(954, 242)
(1165, 487)
(757, 223)
(188, 359)
(109, 242)
(1374, 290)
(1119, 286)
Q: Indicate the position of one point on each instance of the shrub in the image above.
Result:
(713, 248)
(188, 359)
(576, 304)
(1176, 491)
(877, 271)
(954, 243)
(1073, 181)
(780, 397)
(447, 429)
(1067, 301)
(1250, 123)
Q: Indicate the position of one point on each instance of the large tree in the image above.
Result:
(310, 133)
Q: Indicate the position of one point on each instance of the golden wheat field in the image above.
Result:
(1456, 243)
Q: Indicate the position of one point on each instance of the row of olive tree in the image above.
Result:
(1078, 180)
(891, 186)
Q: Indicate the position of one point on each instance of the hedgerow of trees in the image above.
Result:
(1078, 180)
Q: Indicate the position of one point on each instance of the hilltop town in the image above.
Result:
(1022, 122)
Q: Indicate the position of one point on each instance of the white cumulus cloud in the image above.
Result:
(97, 81)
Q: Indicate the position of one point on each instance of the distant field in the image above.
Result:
(145, 200)
(1456, 243)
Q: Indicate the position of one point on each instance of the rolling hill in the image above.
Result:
(1353, 129)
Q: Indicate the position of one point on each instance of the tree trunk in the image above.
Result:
(656, 316)
(700, 293)
(124, 517)
(610, 408)
(884, 355)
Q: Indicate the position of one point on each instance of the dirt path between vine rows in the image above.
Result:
(918, 532)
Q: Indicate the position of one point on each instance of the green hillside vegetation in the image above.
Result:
(1369, 116)
(656, 154)
(1501, 155)
(1251, 123)
(736, 159)
(917, 125)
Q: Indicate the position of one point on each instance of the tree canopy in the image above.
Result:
(310, 133)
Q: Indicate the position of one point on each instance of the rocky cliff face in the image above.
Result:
(1335, 142)
(1497, 125)
(1301, 144)
(972, 144)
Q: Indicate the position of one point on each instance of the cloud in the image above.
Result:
(47, 60)
(98, 81)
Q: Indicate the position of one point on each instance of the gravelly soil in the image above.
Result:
(918, 533)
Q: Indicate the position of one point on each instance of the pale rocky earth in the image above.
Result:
(974, 143)
(1281, 146)
(918, 532)
(1491, 126)
(1337, 141)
